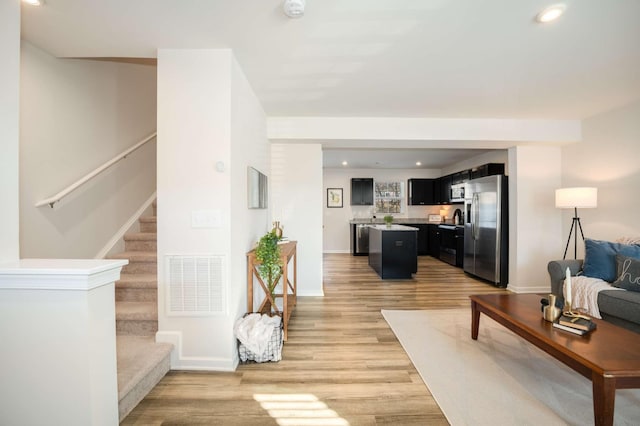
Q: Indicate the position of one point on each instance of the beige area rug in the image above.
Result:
(500, 379)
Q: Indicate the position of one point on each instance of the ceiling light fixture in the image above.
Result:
(418, 163)
(294, 8)
(551, 13)
(344, 163)
(34, 2)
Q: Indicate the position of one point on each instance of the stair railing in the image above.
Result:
(66, 191)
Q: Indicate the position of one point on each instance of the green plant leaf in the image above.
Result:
(268, 254)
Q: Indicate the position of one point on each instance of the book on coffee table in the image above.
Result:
(580, 323)
(570, 329)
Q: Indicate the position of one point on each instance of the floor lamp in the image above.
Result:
(572, 198)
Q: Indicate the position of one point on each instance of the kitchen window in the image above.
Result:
(388, 197)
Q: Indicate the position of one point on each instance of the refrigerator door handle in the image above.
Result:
(476, 216)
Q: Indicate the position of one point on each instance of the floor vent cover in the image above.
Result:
(196, 285)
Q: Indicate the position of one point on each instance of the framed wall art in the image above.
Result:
(334, 198)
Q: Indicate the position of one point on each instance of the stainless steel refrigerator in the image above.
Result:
(486, 225)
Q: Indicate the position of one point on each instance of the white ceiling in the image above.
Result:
(379, 58)
(396, 158)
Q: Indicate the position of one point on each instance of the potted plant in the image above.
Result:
(388, 219)
(270, 268)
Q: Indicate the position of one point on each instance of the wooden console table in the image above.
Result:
(289, 289)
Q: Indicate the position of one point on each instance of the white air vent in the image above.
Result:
(196, 285)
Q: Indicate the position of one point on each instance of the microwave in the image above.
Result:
(457, 193)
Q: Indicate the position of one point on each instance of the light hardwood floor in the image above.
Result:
(342, 364)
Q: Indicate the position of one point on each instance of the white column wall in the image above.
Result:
(9, 122)
(535, 231)
(193, 134)
(296, 201)
(75, 115)
(249, 148)
(210, 128)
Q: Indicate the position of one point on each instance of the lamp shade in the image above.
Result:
(582, 197)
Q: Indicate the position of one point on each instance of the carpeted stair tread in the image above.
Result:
(137, 311)
(138, 277)
(141, 364)
(137, 256)
(141, 236)
(148, 224)
(137, 281)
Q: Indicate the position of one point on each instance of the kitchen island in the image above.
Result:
(393, 251)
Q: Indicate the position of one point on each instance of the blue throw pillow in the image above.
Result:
(628, 270)
(600, 258)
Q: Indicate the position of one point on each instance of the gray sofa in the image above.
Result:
(619, 307)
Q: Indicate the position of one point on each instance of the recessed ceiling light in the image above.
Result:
(294, 8)
(344, 163)
(551, 13)
(34, 2)
(418, 163)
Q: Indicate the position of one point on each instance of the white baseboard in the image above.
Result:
(181, 362)
(528, 289)
(124, 229)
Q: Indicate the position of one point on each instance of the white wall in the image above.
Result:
(9, 139)
(369, 132)
(535, 234)
(607, 158)
(207, 113)
(296, 183)
(74, 116)
(249, 148)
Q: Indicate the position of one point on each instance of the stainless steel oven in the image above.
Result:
(451, 244)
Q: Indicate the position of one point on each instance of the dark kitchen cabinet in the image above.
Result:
(423, 238)
(362, 191)
(392, 253)
(460, 247)
(460, 177)
(421, 192)
(434, 241)
(488, 169)
(445, 190)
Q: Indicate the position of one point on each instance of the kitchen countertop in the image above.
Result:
(394, 228)
(399, 221)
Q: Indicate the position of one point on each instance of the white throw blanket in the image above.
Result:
(255, 330)
(584, 293)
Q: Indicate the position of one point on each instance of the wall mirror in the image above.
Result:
(257, 189)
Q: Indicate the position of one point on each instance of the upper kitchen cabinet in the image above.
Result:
(361, 191)
(460, 177)
(421, 192)
(488, 169)
(445, 190)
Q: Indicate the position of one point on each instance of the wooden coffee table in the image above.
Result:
(608, 356)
